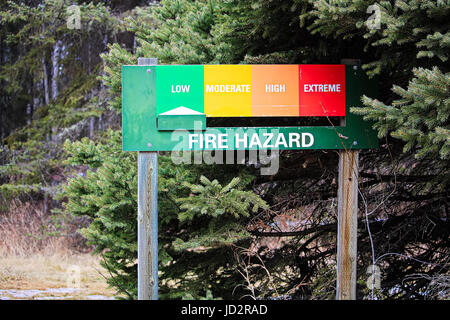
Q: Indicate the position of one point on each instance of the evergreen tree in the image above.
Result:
(227, 232)
(323, 32)
(420, 117)
(49, 86)
(409, 43)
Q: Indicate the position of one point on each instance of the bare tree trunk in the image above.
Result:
(29, 113)
(89, 57)
(102, 85)
(91, 126)
(100, 119)
(2, 127)
(55, 64)
(2, 99)
(37, 87)
(46, 93)
(45, 209)
(105, 46)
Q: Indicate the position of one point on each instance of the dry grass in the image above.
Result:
(42, 272)
(32, 259)
(26, 229)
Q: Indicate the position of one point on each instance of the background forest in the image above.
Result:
(225, 231)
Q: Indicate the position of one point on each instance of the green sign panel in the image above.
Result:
(180, 86)
(165, 107)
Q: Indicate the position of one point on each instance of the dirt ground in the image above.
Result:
(58, 276)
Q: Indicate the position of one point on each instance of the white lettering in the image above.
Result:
(191, 140)
(223, 140)
(311, 139)
(181, 88)
(227, 88)
(210, 139)
(294, 137)
(238, 141)
(322, 87)
(267, 142)
(280, 140)
(275, 88)
(255, 141)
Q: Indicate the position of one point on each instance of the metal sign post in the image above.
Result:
(147, 217)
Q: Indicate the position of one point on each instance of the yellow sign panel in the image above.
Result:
(228, 90)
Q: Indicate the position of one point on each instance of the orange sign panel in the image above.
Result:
(275, 90)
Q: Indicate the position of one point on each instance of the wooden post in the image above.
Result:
(147, 218)
(347, 225)
(347, 237)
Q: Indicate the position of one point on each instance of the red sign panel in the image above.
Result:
(321, 90)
